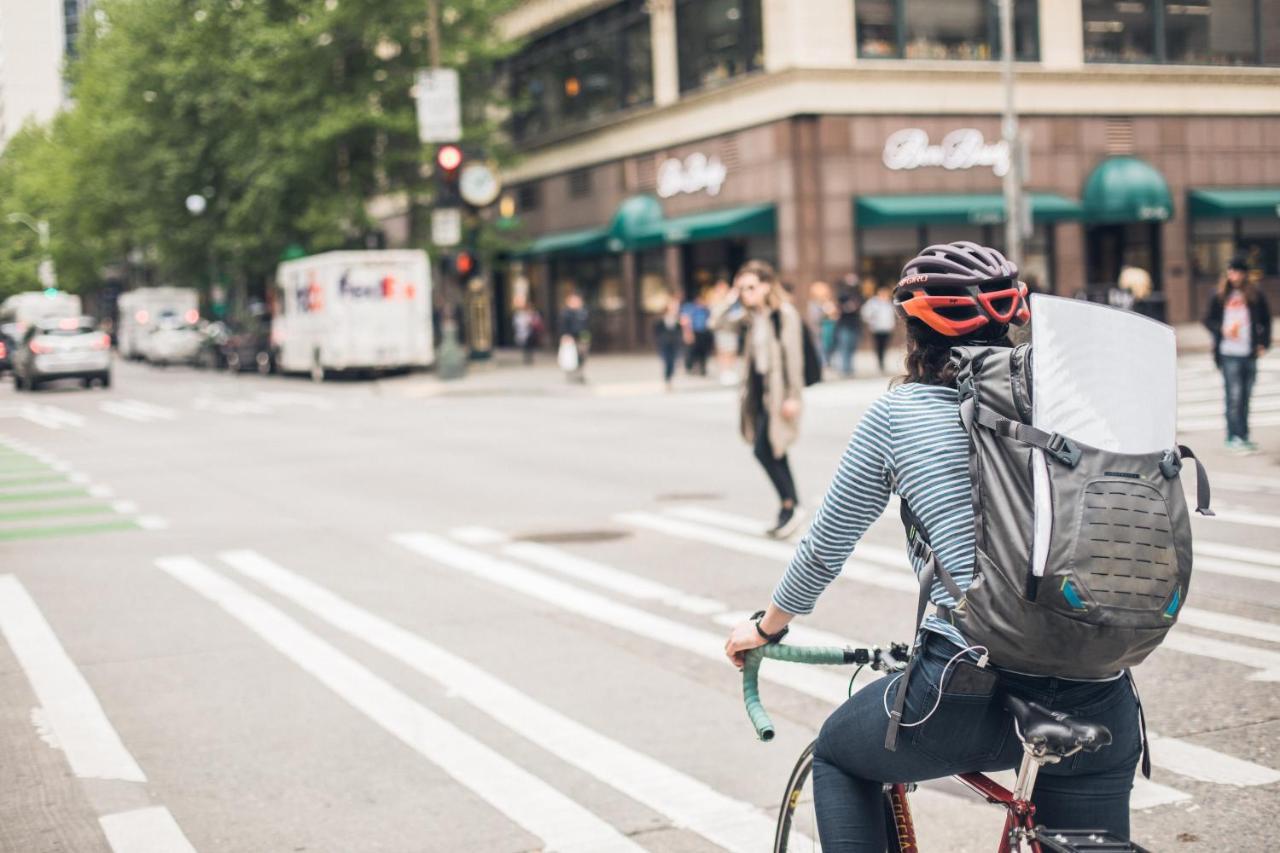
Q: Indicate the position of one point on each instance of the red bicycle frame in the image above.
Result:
(1020, 813)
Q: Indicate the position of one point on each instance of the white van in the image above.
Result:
(145, 309)
(353, 311)
(25, 308)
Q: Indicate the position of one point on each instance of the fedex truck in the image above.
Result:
(353, 311)
(146, 309)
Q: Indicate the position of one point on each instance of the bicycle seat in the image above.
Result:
(1053, 733)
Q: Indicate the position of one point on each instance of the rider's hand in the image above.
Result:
(790, 409)
(743, 638)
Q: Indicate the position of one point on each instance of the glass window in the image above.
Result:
(885, 251)
(943, 29)
(1260, 244)
(584, 71)
(1212, 244)
(718, 40)
(1210, 32)
(1119, 31)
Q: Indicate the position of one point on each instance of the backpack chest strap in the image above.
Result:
(1055, 444)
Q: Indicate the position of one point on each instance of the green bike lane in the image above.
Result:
(37, 501)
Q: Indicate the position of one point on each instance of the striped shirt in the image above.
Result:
(910, 442)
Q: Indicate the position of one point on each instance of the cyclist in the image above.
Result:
(911, 442)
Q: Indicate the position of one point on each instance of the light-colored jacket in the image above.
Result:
(785, 348)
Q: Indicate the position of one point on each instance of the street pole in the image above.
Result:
(433, 32)
(1013, 196)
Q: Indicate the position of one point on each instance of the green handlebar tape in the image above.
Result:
(751, 674)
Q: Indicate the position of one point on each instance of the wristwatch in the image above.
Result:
(768, 638)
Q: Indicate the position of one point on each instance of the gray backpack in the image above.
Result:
(1118, 563)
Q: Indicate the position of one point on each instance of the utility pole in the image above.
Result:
(433, 33)
(1016, 216)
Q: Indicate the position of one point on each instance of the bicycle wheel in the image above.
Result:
(797, 822)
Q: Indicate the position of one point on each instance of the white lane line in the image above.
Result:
(800, 635)
(1197, 644)
(855, 570)
(137, 410)
(1219, 566)
(528, 801)
(1260, 403)
(595, 607)
(1238, 552)
(686, 802)
(1225, 623)
(607, 577)
(125, 507)
(101, 491)
(69, 707)
(1245, 483)
(1219, 423)
(1229, 515)
(473, 535)
(152, 522)
(50, 417)
(147, 830)
(1207, 765)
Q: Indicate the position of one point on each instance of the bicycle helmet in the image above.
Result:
(962, 290)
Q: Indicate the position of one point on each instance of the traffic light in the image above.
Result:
(464, 264)
(449, 159)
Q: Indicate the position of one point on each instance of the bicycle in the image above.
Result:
(1047, 737)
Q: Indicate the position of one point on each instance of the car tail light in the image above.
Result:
(192, 316)
(142, 317)
(3, 351)
(39, 348)
(103, 342)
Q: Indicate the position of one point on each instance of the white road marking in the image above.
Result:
(597, 608)
(1148, 795)
(125, 507)
(1238, 552)
(153, 522)
(1219, 566)
(800, 635)
(1246, 483)
(1230, 515)
(70, 708)
(1197, 644)
(607, 577)
(147, 830)
(686, 802)
(137, 410)
(101, 491)
(1206, 411)
(560, 822)
(1207, 765)
(78, 479)
(50, 417)
(230, 407)
(286, 398)
(1219, 423)
(1225, 623)
(471, 535)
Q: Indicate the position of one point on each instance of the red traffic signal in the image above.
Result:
(449, 158)
(465, 263)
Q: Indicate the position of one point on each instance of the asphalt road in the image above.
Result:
(258, 614)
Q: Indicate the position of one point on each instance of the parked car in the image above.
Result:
(10, 333)
(172, 341)
(249, 346)
(65, 348)
(213, 340)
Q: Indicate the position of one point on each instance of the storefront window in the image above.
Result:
(1212, 245)
(589, 69)
(885, 251)
(1186, 32)
(943, 29)
(598, 280)
(1260, 244)
(718, 40)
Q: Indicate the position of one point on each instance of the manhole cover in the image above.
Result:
(558, 537)
(671, 497)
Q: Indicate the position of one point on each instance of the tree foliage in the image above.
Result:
(288, 116)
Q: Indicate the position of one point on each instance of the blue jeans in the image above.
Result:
(969, 733)
(847, 345)
(1238, 375)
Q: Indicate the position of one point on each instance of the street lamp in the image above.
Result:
(196, 204)
(48, 275)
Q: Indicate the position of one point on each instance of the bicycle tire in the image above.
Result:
(791, 798)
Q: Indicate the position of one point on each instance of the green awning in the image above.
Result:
(1126, 189)
(588, 241)
(888, 211)
(638, 224)
(718, 224)
(1230, 203)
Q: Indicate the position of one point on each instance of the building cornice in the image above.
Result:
(888, 87)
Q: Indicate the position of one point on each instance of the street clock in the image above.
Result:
(479, 185)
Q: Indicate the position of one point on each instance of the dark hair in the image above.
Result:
(928, 359)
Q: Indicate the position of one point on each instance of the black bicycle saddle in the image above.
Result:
(1054, 733)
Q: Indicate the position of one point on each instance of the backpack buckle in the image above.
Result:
(1171, 464)
(1063, 449)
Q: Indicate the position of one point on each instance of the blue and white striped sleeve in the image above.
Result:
(855, 499)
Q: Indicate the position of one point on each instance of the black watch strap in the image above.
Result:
(768, 638)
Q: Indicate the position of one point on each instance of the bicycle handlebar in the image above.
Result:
(829, 655)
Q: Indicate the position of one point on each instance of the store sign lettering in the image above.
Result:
(965, 148)
(695, 173)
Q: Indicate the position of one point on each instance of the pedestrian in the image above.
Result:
(848, 323)
(725, 340)
(821, 314)
(575, 337)
(1240, 321)
(879, 315)
(669, 335)
(773, 378)
(526, 324)
(695, 317)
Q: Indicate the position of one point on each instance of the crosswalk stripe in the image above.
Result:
(68, 706)
(1207, 424)
(560, 822)
(1225, 623)
(597, 608)
(146, 830)
(1211, 647)
(1239, 552)
(1207, 765)
(732, 824)
(1246, 483)
(1229, 515)
(607, 577)
(136, 410)
(1219, 566)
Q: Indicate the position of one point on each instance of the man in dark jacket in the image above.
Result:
(1240, 321)
(574, 325)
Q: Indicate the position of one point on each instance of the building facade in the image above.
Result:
(665, 142)
(36, 37)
